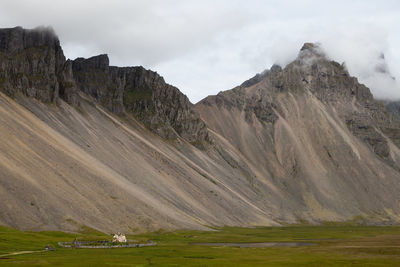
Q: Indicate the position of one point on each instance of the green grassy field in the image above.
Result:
(334, 246)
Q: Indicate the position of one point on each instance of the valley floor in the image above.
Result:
(334, 245)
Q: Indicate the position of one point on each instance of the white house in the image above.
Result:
(120, 238)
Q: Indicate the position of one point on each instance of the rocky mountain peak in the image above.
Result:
(96, 62)
(310, 46)
(310, 52)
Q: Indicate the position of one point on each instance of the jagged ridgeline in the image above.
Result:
(304, 142)
(160, 106)
(33, 63)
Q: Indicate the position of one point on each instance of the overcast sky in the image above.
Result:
(207, 46)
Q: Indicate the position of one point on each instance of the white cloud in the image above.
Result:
(207, 46)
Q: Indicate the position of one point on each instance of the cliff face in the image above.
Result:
(160, 106)
(32, 63)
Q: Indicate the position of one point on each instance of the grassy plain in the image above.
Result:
(335, 245)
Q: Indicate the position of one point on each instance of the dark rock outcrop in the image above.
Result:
(32, 63)
(106, 84)
(144, 93)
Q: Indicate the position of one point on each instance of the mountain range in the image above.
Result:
(113, 148)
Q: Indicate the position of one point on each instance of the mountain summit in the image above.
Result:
(311, 49)
(119, 149)
(316, 133)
